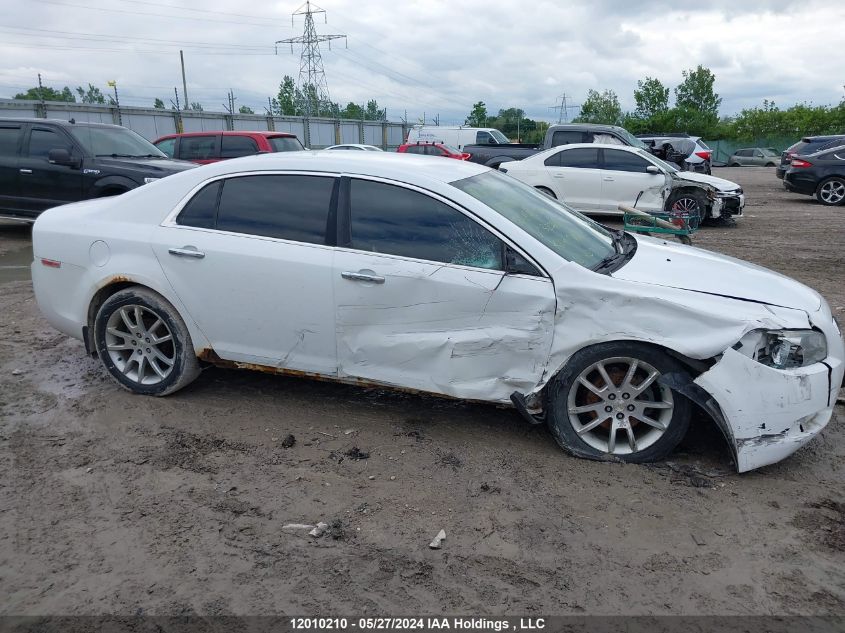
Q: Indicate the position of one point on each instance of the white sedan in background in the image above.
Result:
(444, 277)
(595, 179)
(355, 147)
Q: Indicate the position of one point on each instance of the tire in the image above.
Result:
(734, 165)
(587, 432)
(163, 345)
(831, 191)
(691, 202)
(770, 165)
(547, 191)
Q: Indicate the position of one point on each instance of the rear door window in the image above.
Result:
(567, 137)
(285, 144)
(41, 141)
(205, 147)
(235, 146)
(202, 209)
(286, 207)
(396, 221)
(581, 157)
(9, 140)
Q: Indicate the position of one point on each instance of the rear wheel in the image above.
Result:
(608, 401)
(734, 165)
(144, 344)
(831, 191)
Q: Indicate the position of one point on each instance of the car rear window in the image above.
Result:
(397, 221)
(285, 144)
(286, 207)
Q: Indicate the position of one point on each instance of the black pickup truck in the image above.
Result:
(493, 154)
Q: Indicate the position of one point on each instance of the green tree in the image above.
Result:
(373, 113)
(246, 110)
(91, 95)
(651, 97)
(352, 111)
(695, 93)
(48, 94)
(600, 107)
(196, 105)
(286, 98)
(158, 104)
(478, 116)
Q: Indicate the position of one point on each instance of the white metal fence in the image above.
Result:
(151, 123)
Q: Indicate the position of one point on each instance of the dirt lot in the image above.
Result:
(114, 503)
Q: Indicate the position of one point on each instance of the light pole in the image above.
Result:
(113, 84)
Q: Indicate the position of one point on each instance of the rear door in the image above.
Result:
(42, 184)
(200, 148)
(624, 176)
(423, 301)
(575, 177)
(251, 259)
(11, 139)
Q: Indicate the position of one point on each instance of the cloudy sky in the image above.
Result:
(433, 57)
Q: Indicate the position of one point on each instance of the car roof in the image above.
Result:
(61, 122)
(396, 166)
(267, 133)
(822, 139)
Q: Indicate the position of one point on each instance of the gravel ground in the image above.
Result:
(114, 503)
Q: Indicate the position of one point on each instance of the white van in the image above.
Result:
(456, 136)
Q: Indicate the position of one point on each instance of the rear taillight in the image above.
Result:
(703, 155)
(466, 156)
(797, 162)
(51, 263)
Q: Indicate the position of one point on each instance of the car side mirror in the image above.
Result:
(653, 169)
(516, 264)
(62, 157)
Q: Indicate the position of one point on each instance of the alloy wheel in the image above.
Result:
(616, 396)
(832, 192)
(140, 344)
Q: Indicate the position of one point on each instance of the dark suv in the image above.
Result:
(807, 145)
(45, 163)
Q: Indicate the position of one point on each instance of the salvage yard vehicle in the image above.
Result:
(456, 135)
(807, 145)
(48, 162)
(203, 148)
(821, 174)
(355, 147)
(754, 157)
(443, 277)
(431, 149)
(697, 158)
(595, 179)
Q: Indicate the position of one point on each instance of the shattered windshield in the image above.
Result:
(571, 235)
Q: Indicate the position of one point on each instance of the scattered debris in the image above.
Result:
(88, 470)
(17, 372)
(450, 459)
(698, 538)
(371, 477)
(327, 434)
(297, 526)
(436, 543)
(485, 487)
(356, 454)
(336, 530)
(319, 530)
(289, 441)
(349, 431)
(393, 478)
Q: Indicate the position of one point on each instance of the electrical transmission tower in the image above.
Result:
(313, 88)
(563, 108)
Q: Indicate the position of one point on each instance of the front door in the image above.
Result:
(624, 177)
(11, 137)
(254, 270)
(423, 300)
(41, 183)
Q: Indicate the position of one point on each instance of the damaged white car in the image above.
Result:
(595, 179)
(443, 277)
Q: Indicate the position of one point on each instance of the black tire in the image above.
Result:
(657, 444)
(547, 191)
(770, 165)
(119, 361)
(831, 191)
(734, 165)
(690, 201)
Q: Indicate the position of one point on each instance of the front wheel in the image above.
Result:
(144, 343)
(608, 401)
(692, 202)
(831, 192)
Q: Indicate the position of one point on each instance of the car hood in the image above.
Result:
(661, 263)
(151, 166)
(719, 183)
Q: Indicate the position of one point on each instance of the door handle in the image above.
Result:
(186, 252)
(346, 274)
(559, 176)
(26, 171)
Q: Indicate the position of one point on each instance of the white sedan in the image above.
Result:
(355, 147)
(597, 178)
(444, 277)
